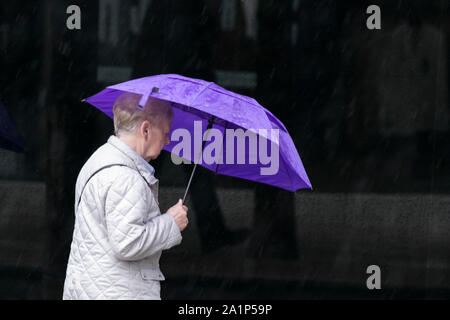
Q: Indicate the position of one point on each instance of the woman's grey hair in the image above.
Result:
(128, 116)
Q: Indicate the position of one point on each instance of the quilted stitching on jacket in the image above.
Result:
(119, 231)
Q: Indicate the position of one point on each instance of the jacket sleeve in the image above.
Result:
(131, 235)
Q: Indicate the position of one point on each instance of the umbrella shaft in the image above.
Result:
(210, 123)
(189, 183)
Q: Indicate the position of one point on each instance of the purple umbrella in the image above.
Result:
(10, 138)
(225, 132)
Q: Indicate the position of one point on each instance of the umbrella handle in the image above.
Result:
(210, 123)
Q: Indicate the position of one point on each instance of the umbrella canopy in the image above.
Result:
(10, 138)
(249, 140)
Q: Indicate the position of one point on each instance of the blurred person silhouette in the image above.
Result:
(274, 234)
(413, 100)
(178, 37)
(319, 81)
(400, 101)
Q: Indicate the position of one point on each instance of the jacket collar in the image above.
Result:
(144, 168)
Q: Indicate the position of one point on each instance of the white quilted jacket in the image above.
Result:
(119, 230)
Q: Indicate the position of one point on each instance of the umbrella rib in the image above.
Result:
(237, 97)
(198, 94)
(223, 140)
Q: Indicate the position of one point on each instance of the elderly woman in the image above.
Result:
(119, 230)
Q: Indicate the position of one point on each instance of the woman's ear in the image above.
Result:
(146, 128)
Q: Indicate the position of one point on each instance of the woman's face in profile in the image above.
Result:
(158, 138)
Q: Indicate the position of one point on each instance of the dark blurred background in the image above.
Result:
(367, 109)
